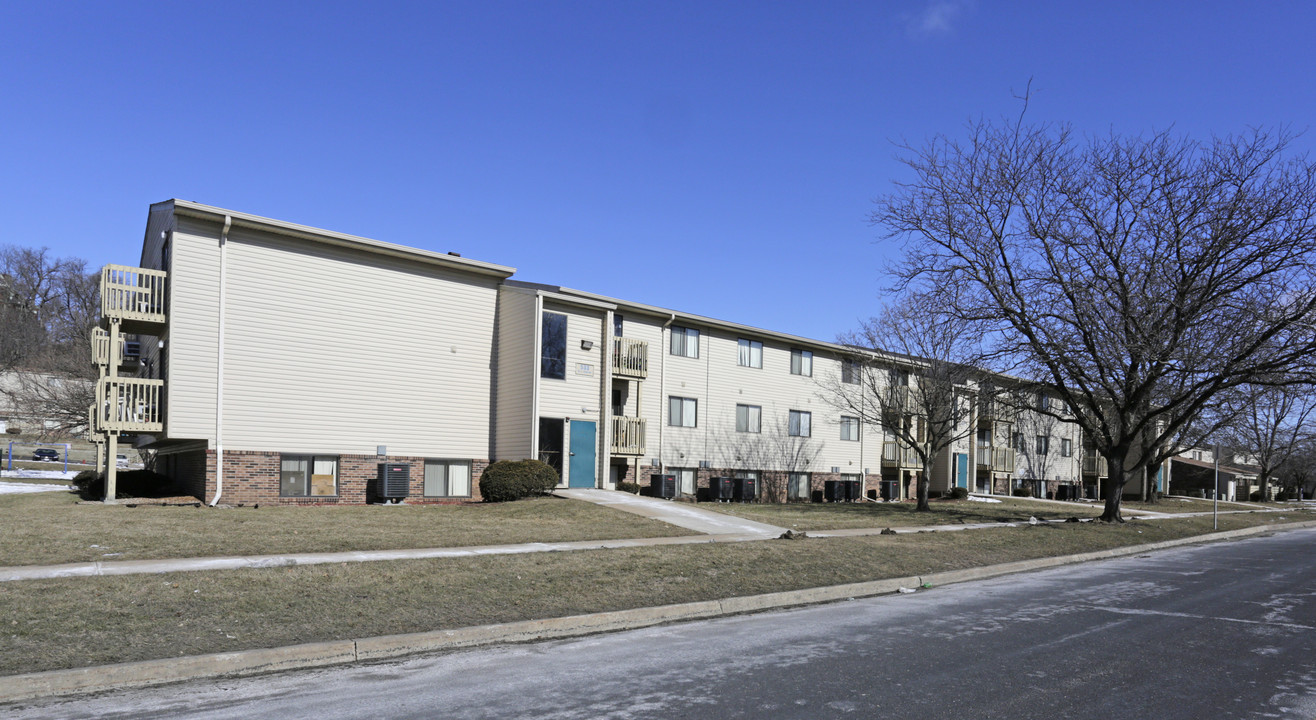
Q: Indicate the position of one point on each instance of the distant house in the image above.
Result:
(284, 363)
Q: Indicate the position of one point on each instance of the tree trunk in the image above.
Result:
(1114, 489)
(1264, 478)
(923, 483)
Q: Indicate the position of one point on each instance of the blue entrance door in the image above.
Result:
(582, 454)
(961, 470)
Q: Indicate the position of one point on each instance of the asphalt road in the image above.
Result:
(1218, 631)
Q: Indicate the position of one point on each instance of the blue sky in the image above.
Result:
(717, 158)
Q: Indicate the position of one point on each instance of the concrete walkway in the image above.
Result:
(673, 513)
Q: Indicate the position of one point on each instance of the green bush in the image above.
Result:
(1281, 496)
(1255, 496)
(629, 487)
(959, 493)
(508, 480)
(127, 483)
(1022, 491)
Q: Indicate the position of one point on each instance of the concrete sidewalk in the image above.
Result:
(679, 514)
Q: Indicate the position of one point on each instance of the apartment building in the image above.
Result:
(284, 363)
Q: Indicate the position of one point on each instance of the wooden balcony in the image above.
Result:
(133, 296)
(125, 357)
(94, 431)
(129, 405)
(1095, 465)
(896, 454)
(993, 411)
(630, 358)
(627, 436)
(996, 459)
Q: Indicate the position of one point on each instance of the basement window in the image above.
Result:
(447, 478)
(308, 475)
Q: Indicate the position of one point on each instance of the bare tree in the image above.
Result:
(773, 451)
(48, 307)
(922, 394)
(1139, 277)
(1272, 427)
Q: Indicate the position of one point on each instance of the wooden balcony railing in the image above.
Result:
(100, 348)
(997, 411)
(129, 404)
(93, 424)
(996, 459)
(1095, 465)
(133, 295)
(627, 436)
(630, 358)
(899, 454)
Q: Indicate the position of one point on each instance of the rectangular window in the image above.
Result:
(984, 438)
(1043, 444)
(749, 418)
(616, 325)
(797, 486)
(799, 423)
(849, 372)
(1066, 447)
(685, 342)
(900, 378)
(751, 353)
(802, 363)
(1018, 442)
(682, 412)
(308, 475)
(849, 428)
(447, 478)
(553, 344)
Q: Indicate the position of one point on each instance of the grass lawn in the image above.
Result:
(51, 528)
(74, 622)
(840, 516)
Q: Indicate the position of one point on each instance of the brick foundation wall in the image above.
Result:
(252, 476)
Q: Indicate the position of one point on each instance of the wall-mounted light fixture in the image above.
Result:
(586, 344)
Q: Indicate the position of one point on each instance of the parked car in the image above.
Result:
(121, 460)
(45, 455)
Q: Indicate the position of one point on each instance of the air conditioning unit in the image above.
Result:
(394, 480)
(745, 489)
(834, 491)
(662, 486)
(721, 488)
(854, 490)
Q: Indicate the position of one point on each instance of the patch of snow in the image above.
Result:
(51, 474)
(7, 488)
(975, 498)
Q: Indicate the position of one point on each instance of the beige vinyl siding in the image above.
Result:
(192, 337)
(517, 367)
(330, 350)
(159, 223)
(578, 395)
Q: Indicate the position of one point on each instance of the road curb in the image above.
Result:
(293, 657)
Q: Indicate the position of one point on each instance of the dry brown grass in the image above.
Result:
(50, 624)
(52, 528)
(839, 516)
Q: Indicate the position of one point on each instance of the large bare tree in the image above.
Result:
(914, 375)
(1139, 277)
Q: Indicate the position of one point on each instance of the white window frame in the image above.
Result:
(799, 486)
(849, 372)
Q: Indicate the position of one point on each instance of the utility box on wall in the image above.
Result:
(394, 480)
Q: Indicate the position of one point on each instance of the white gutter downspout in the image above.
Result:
(662, 394)
(219, 364)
